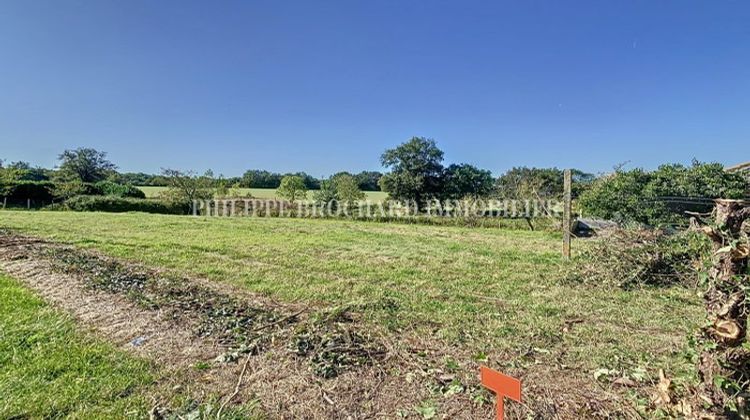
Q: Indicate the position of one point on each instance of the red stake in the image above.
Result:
(502, 385)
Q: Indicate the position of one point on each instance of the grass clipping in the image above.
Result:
(638, 257)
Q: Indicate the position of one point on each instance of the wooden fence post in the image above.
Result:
(567, 222)
(28, 204)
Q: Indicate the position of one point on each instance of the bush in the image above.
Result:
(119, 190)
(120, 205)
(662, 196)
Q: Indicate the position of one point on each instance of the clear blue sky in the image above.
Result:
(323, 86)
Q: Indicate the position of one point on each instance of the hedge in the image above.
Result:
(37, 191)
(118, 190)
(120, 205)
(45, 191)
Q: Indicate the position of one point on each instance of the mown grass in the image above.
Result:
(48, 370)
(489, 291)
(374, 196)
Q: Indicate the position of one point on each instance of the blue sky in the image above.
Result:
(323, 86)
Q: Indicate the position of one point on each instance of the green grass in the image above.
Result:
(481, 290)
(374, 196)
(48, 370)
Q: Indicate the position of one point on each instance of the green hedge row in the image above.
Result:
(44, 192)
(37, 191)
(123, 204)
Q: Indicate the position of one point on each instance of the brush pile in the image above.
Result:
(636, 257)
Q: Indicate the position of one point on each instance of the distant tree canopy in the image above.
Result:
(661, 196)
(256, 178)
(546, 183)
(84, 165)
(368, 180)
(292, 188)
(464, 180)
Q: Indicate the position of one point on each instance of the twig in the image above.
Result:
(263, 327)
(236, 388)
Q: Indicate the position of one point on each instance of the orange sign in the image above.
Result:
(502, 385)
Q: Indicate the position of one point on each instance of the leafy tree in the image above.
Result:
(342, 187)
(530, 183)
(416, 171)
(347, 189)
(9, 177)
(661, 196)
(292, 188)
(29, 173)
(85, 165)
(326, 193)
(466, 180)
(184, 187)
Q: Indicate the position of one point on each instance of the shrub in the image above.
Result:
(120, 205)
(65, 190)
(119, 190)
(662, 196)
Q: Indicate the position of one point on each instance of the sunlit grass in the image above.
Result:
(486, 290)
(49, 370)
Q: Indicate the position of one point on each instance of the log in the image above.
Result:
(725, 351)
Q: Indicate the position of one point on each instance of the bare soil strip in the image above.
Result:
(294, 364)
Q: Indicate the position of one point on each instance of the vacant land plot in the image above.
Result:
(444, 299)
(374, 196)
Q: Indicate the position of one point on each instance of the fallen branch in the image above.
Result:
(236, 388)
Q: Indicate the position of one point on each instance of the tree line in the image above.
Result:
(90, 165)
(415, 172)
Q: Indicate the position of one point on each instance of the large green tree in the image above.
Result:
(84, 165)
(416, 171)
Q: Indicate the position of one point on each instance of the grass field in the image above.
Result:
(49, 370)
(489, 291)
(374, 196)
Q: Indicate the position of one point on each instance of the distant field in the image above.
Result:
(375, 196)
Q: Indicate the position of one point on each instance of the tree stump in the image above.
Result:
(724, 365)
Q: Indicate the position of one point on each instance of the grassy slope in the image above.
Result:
(407, 276)
(375, 196)
(47, 370)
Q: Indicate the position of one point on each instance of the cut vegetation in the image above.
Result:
(371, 318)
